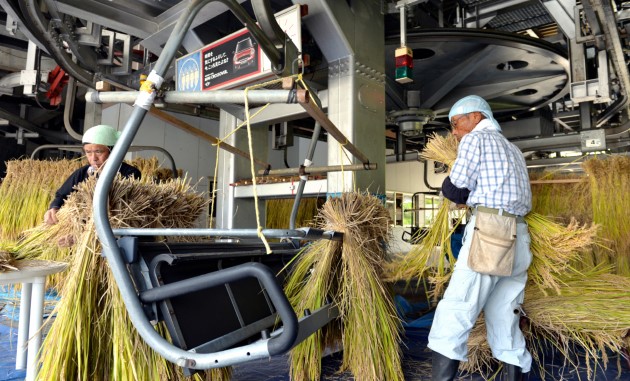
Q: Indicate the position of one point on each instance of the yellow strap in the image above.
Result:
(247, 123)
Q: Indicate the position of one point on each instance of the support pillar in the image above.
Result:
(352, 41)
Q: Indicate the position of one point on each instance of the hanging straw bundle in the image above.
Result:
(431, 259)
(585, 322)
(556, 248)
(369, 329)
(91, 337)
(609, 183)
(566, 197)
(278, 212)
(152, 171)
(26, 192)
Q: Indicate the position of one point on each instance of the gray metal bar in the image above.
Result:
(204, 135)
(112, 252)
(609, 24)
(200, 97)
(267, 21)
(68, 108)
(304, 233)
(307, 162)
(314, 170)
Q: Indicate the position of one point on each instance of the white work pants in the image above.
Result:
(500, 298)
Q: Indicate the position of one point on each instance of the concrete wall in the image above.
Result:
(407, 177)
(297, 153)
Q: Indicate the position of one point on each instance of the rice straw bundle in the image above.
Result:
(564, 201)
(556, 248)
(278, 212)
(442, 149)
(26, 192)
(350, 273)
(146, 166)
(585, 322)
(151, 169)
(92, 337)
(609, 182)
(431, 259)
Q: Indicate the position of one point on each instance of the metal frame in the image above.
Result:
(291, 330)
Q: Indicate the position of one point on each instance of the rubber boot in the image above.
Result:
(444, 369)
(514, 373)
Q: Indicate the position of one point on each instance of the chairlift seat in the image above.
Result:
(209, 300)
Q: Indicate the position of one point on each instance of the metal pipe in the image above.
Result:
(304, 233)
(267, 21)
(307, 163)
(68, 109)
(317, 114)
(316, 170)
(30, 126)
(104, 229)
(202, 97)
(106, 236)
(403, 25)
(30, 8)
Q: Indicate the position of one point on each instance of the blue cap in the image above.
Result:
(473, 103)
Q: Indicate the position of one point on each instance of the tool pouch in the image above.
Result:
(493, 244)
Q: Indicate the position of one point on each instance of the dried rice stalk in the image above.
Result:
(278, 212)
(564, 201)
(431, 259)
(350, 273)
(92, 337)
(26, 192)
(440, 148)
(588, 319)
(152, 171)
(555, 248)
(609, 183)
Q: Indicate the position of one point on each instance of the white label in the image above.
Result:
(593, 143)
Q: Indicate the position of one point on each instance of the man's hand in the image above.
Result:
(50, 218)
(66, 241)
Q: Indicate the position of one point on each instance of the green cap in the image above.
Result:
(101, 134)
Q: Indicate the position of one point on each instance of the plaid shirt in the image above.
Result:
(494, 170)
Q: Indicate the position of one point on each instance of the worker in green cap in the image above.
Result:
(98, 142)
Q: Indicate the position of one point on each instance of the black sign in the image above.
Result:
(230, 60)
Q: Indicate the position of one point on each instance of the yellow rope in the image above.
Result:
(300, 80)
(240, 125)
(214, 185)
(247, 123)
(251, 163)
